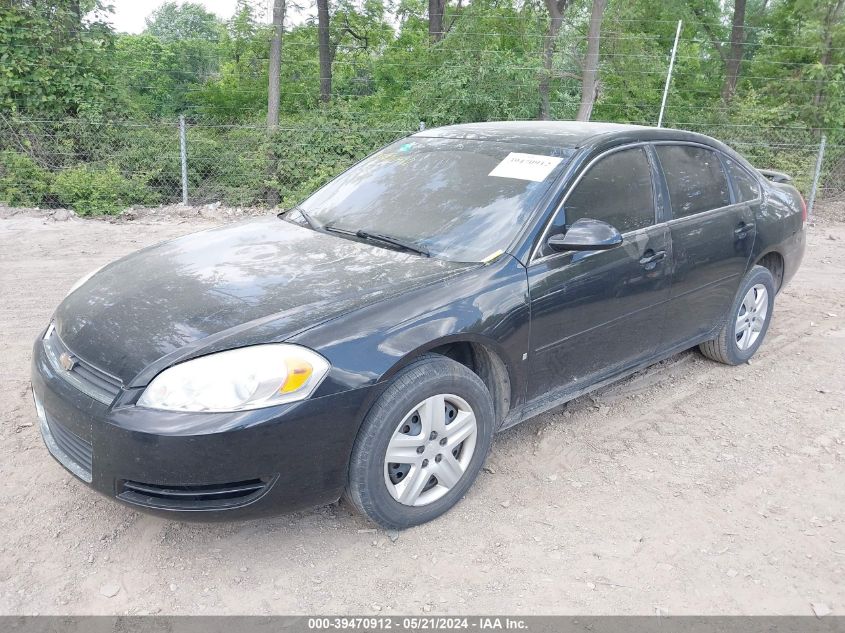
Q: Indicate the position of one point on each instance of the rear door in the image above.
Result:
(594, 313)
(712, 235)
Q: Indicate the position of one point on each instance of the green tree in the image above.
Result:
(54, 63)
(239, 89)
(173, 22)
(802, 74)
(158, 78)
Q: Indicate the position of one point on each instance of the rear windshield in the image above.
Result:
(461, 200)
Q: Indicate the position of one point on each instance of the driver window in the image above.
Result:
(617, 190)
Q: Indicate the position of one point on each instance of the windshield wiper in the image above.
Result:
(381, 237)
(311, 221)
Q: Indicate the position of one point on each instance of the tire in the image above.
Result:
(398, 420)
(733, 346)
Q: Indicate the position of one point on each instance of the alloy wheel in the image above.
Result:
(751, 317)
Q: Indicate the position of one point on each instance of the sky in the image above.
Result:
(128, 16)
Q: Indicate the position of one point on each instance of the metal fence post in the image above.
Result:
(816, 176)
(183, 154)
(669, 75)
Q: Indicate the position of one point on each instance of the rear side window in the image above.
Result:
(695, 179)
(747, 187)
(616, 190)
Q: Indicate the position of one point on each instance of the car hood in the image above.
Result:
(257, 281)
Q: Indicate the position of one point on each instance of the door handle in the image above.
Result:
(649, 261)
(743, 230)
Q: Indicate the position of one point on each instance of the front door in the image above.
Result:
(597, 313)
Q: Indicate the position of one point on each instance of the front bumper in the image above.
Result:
(200, 465)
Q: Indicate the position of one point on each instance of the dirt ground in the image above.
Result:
(690, 488)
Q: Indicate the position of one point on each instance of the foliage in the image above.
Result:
(23, 183)
(91, 191)
(54, 64)
(173, 22)
(240, 85)
(795, 36)
(308, 151)
(159, 79)
(227, 164)
(92, 114)
(485, 69)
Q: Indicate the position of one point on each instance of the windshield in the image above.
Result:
(459, 200)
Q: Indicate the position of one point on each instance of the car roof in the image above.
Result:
(562, 134)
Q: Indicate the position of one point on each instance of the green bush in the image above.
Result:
(229, 165)
(150, 155)
(91, 191)
(23, 183)
(225, 164)
(312, 149)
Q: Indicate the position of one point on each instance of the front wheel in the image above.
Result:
(422, 444)
(747, 322)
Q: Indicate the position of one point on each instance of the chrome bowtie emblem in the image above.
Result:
(67, 361)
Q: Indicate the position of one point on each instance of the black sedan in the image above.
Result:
(371, 341)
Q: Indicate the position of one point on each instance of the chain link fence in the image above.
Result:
(53, 163)
(103, 167)
(832, 173)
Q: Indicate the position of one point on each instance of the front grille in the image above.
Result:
(84, 376)
(194, 497)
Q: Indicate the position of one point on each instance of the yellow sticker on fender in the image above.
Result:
(526, 166)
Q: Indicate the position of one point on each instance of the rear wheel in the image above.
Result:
(748, 320)
(422, 445)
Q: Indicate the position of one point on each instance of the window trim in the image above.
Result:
(655, 184)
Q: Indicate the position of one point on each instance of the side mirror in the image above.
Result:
(586, 235)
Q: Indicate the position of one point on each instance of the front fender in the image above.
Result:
(487, 305)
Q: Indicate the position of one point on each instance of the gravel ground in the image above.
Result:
(690, 488)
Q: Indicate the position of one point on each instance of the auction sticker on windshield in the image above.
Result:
(526, 166)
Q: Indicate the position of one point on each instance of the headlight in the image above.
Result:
(238, 379)
(84, 279)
